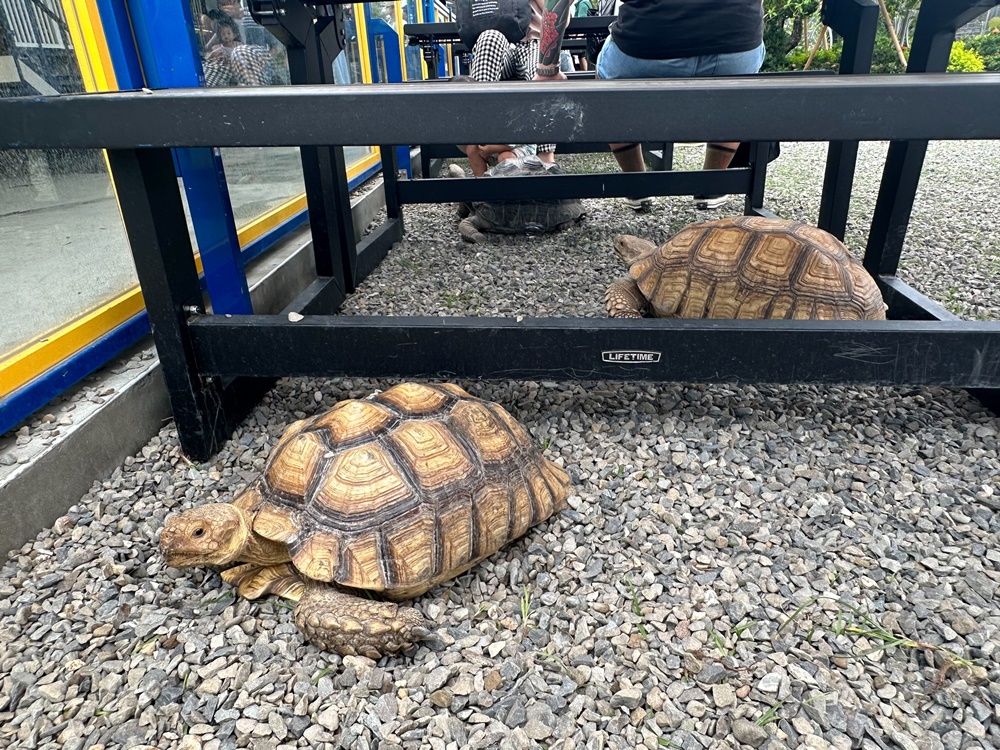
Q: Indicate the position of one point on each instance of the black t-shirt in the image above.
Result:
(665, 29)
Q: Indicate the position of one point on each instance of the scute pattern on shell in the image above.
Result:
(753, 267)
(404, 490)
(513, 217)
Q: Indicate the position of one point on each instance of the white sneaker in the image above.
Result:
(708, 202)
(455, 171)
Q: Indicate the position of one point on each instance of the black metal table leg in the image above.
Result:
(932, 41)
(754, 205)
(856, 22)
(205, 409)
(313, 37)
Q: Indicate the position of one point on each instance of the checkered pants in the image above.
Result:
(242, 65)
(494, 58)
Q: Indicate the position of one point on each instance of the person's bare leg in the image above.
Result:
(547, 157)
(476, 162)
(719, 155)
(628, 156)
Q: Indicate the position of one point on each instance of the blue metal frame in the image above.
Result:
(390, 40)
(118, 35)
(164, 35)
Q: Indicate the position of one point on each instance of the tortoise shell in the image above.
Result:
(752, 267)
(403, 490)
(530, 216)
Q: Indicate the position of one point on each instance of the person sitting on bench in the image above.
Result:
(494, 58)
(482, 156)
(667, 39)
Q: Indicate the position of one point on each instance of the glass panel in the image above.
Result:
(347, 67)
(236, 51)
(63, 248)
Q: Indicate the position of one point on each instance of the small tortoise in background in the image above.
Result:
(744, 267)
(518, 217)
(393, 495)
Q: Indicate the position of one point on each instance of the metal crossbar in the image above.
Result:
(216, 366)
(821, 108)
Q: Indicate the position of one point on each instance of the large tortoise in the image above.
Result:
(518, 217)
(392, 495)
(744, 267)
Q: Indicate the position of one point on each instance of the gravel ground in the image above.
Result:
(740, 567)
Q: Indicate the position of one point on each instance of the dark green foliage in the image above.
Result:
(987, 47)
(885, 59)
(825, 59)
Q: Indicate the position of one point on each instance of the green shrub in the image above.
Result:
(993, 23)
(987, 47)
(884, 58)
(825, 59)
(964, 60)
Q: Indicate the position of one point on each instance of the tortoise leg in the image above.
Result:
(330, 619)
(469, 229)
(624, 300)
(347, 625)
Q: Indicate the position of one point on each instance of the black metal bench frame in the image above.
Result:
(853, 20)
(215, 367)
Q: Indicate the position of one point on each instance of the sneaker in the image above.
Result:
(708, 202)
(640, 205)
(455, 171)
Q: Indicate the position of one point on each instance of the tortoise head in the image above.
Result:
(213, 534)
(630, 248)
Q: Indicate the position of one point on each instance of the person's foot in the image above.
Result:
(708, 202)
(640, 205)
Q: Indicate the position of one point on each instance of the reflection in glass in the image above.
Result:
(237, 51)
(63, 248)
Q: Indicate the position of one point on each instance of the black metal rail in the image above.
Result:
(810, 108)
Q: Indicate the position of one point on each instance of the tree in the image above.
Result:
(777, 40)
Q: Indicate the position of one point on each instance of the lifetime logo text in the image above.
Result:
(629, 357)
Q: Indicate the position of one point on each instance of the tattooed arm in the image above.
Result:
(553, 29)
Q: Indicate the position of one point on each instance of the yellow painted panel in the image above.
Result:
(35, 359)
(90, 45)
(268, 221)
(362, 31)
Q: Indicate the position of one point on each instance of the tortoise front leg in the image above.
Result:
(347, 625)
(624, 300)
(469, 229)
(330, 619)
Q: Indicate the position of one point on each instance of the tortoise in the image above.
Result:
(744, 267)
(518, 217)
(391, 495)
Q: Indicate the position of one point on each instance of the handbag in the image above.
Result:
(510, 17)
